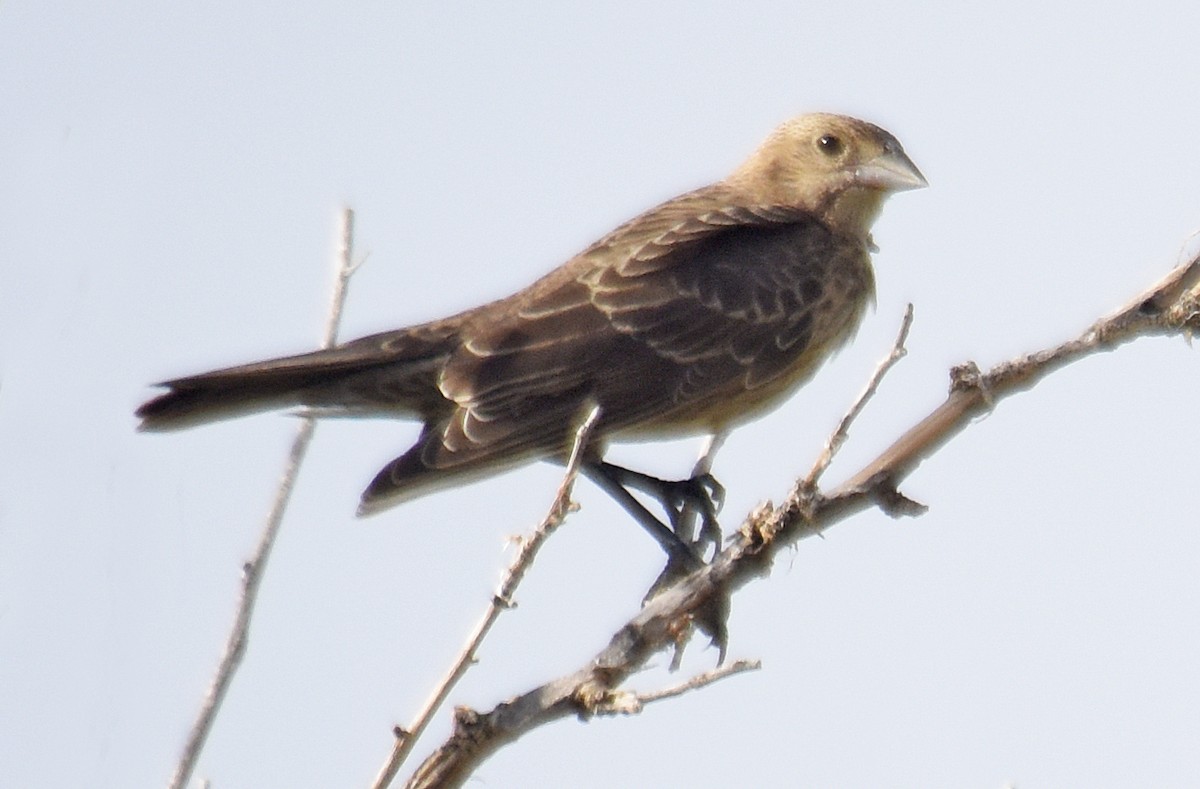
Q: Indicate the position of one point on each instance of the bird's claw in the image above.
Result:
(714, 489)
(701, 494)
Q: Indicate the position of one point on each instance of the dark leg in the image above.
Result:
(676, 498)
(701, 494)
(613, 480)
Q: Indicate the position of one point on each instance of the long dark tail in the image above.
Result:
(396, 371)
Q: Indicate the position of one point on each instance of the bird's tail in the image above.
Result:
(394, 372)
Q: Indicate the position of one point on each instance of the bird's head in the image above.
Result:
(839, 168)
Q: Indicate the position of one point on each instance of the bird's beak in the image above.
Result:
(890, 171)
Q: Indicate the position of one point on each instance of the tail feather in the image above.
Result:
(348, 375)
(222, 394)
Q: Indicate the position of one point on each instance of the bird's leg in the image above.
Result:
(703, 468)
(700, 493)
(613, 479)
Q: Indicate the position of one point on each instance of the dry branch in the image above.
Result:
(1172, 306)
(501, 601)
(253, 569)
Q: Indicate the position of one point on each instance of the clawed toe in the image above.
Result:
(702, 494)
(682, 500)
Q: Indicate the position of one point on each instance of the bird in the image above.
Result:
(692, 318)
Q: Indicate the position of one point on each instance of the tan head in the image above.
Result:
(838, 167)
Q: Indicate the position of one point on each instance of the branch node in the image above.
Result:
(1185, 314)
(1151, 308)
(967, 376)
(465, 719)
(760, 527)
(589, 698)
(616, 702)
(807, 499)
(894, 503)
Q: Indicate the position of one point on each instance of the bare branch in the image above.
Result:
(1171, 307)
(625, 702)
(700, 681)
(1168, 307)
(253, 569)
(842, 431)
(501, 600)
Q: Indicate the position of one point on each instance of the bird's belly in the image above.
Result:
(732, 405)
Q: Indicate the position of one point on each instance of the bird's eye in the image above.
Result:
(829, 145)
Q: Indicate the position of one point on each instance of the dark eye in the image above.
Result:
(829, 145)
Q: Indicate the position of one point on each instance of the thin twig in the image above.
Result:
(253, 569)
(627, 702)
(501, 600)
(700, 681)
(1167, 307)
(341, 286)
(842, 431)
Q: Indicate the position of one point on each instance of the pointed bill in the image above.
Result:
(891, 171)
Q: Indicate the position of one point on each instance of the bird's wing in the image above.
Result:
(667, 325)
(739, 312)
(659, 318)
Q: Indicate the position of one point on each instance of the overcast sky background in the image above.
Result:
(170, 179)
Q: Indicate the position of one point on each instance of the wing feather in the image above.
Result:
(683, 309)
(684, 319)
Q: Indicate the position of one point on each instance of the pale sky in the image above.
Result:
(169, 187)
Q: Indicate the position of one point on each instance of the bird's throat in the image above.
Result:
(851, 212)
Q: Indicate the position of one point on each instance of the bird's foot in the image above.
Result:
(686, 499)
(683, 500)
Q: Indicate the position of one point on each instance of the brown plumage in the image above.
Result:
(691, 318)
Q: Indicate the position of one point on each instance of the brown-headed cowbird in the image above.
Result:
(693, 317)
